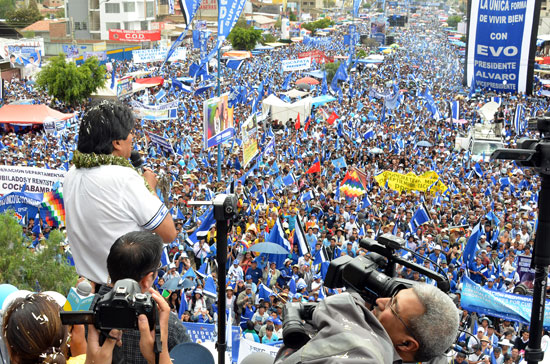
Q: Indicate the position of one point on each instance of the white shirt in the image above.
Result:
(102, 204)
(235, 274)
(201, 252)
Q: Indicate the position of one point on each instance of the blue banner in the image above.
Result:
(188, 10)
(499, 43)
(508, 306)
(23, 204)
(203, 42)
(200, 333)
(356, 4)
(228, 13)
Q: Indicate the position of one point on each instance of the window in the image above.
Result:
(129, 7)
(76, 25)
(112, 8)
(163, 2)
(150, 9)
(84, 26)
(112, 25)
(144, 25)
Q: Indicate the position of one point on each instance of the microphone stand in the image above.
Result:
(540, 262)
(225, 209)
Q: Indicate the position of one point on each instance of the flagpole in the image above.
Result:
(219, 93)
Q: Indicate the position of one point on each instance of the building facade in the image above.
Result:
(92, 19)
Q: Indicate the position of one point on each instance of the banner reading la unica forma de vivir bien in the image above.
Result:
(501, 45)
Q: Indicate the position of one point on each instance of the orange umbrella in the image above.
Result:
(308, 80)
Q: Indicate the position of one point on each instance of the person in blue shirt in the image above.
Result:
(490, 285)
(311, 239)
(349, 249)
(420, 259)
(202, 317)
(445, 245)
(287, 266)
(254, 272)
(270, 336)
(477, 270)
(437, 256)
(248, 279)
(295, 254)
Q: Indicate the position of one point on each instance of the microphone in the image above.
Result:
(136, 160)
(79, 298)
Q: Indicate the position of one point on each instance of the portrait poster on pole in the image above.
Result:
(218, 121)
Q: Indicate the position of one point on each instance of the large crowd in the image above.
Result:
(503, 197)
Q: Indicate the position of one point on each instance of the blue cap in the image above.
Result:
(277, 322)
(317, 276)
(301, 286)
(236, 261)
(298, 296)
(248, 276)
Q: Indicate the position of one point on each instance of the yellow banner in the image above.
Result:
(249, 132)
(411, 182)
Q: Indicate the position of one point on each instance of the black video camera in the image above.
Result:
(117, 309)
(372, 276)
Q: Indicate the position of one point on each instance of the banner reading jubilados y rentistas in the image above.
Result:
(500, 40)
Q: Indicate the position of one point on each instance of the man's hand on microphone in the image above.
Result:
(150, 177)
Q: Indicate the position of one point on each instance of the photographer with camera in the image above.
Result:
(104, 195)
(415, 324)
(136, 255)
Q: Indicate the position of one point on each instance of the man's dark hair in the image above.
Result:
(102, 124)
(249, 325)
(134, 255)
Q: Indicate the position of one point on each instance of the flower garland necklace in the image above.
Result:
(91, 160)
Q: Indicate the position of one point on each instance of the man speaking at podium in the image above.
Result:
(105, 197)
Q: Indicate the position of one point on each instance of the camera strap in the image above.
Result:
(158, 342)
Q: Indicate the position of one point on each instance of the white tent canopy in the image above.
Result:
(106, 92)
(295, 93)
(283, 111)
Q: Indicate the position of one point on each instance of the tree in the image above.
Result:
(269, 38)
(331, 69)
(46, 270)
(69, 83)
(318, 24)
(60, 13)
(244, 38)
(241, 22)
(453, 20)
(6, 7)
(361, 53)
(24, 16)
(292, 16)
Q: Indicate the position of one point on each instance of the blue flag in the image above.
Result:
(209, 289)
(204, 227)
(277, 236)
(421, 216)
(471, 246)
(264, 292)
